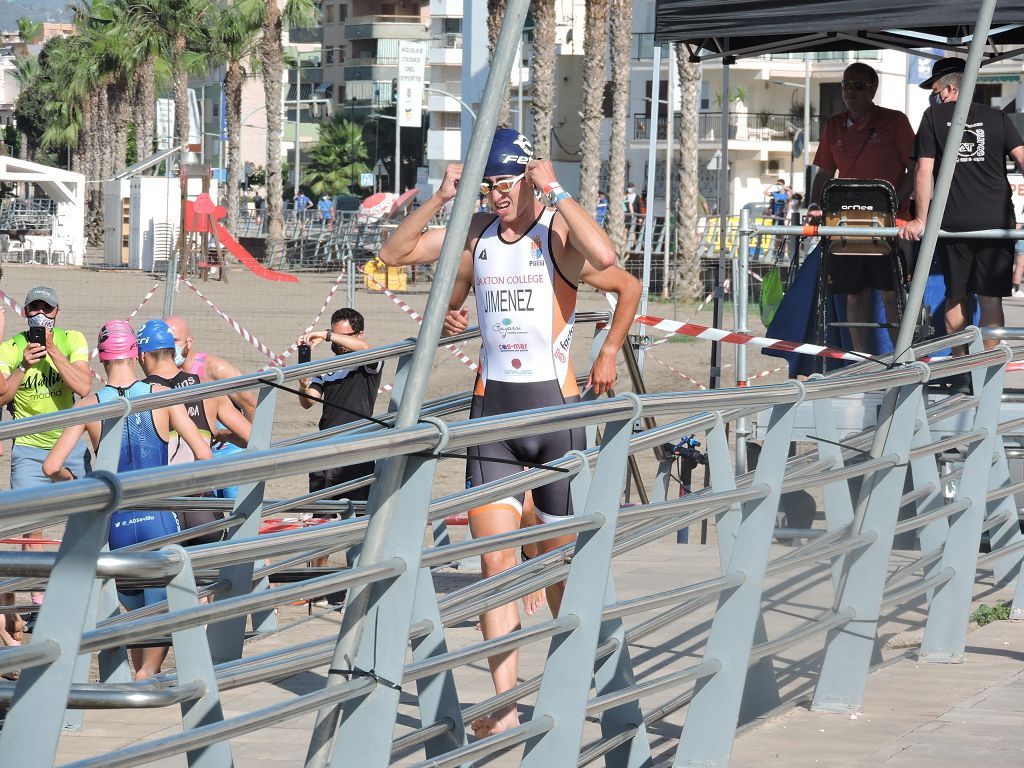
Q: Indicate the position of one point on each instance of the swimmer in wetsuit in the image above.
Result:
(143, 445)
(156, 356)
(524, 262)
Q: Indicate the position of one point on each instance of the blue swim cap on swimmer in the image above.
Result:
(510, 152)
(154, 335)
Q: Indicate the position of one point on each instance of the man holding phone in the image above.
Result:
(353, 389)
(43, 368)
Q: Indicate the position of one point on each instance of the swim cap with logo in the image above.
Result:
(510, 152)
(154, 335)
(117, 341)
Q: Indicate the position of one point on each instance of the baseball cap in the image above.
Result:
(117, 341)
(42, 293)
(510, 152)
(154, 335)
(942, 67)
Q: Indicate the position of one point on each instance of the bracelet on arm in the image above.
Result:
(327, 335)
(553, 194)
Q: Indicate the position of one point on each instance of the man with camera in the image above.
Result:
(43, 368)
(347, 395)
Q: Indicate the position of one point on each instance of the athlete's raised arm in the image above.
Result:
(584, 233)
(409, 243)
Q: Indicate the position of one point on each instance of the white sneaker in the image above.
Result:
(1017, 293)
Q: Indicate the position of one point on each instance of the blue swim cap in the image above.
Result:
(154, 335)
(510, 152)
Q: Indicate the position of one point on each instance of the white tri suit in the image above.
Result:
(525, 309)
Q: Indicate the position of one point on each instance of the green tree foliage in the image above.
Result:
(29, 31)
(337, 159)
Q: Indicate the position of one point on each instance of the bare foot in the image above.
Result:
(502, 721)
(534, 601)
(142, 674)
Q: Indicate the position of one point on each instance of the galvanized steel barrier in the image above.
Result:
(588, 641)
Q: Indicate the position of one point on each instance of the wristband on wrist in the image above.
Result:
(554, 194)
(327, 336)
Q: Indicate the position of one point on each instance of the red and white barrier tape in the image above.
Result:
(462, 357)
(12, 303)
(147, 297)
(676, 371)
(295, 345)
(731, 337)
(237, 328)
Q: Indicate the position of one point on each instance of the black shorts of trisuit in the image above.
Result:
(984, 267)
(337, 475)
(853, 274)
(504, 397)
(190, 518)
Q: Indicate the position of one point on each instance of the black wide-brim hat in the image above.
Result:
(944, 67)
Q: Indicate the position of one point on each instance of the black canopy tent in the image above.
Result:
(729, 29)
(716, 28)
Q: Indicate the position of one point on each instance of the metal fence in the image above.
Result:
(588, 643)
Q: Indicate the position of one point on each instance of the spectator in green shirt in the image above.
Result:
(43, 378)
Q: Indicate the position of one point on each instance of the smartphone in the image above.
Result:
(305, 353)
(37, 335)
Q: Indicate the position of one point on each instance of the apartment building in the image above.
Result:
(444, 99)
(360, 54)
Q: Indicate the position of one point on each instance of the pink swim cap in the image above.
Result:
(117, 341)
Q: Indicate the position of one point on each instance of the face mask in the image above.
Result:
(936, 99)
(41, 321)
(179, 355)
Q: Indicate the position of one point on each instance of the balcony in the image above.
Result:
(438, 102)
(386, 28)
(446, 49)
(446, 8)
(371, 69)
(444, 145)
(742, 127)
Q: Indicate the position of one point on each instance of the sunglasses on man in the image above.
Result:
(502, 185)
(857, 85)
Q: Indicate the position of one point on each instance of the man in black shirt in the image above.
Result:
(979, 198)
(354, 389)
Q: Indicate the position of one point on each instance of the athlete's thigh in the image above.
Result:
(555, 499)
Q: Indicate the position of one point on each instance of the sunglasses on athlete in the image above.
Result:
(857, 85)
(502, 185)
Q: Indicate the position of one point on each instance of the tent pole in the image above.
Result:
(915, 297)
(723, 221)
(652, 161)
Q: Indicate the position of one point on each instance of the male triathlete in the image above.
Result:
(143, 445)
(156, 355)
(524, 263)
(206, 366)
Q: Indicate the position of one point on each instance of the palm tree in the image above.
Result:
(621, 13)
(542, 76)
(687, 200)
(595, 52)
(337, 159)
(495, 15)
(29, 31)
(181, 29)
(235, 37)
(271, 19)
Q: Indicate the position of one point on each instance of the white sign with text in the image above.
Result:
(412, 61)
